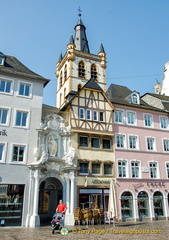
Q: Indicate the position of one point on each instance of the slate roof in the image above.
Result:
(92, 84)
(117, 95)
(14, 66)
(164, 99)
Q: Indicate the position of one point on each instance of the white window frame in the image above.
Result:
(25, 153)
(151, 120)
(157, 169)
(139, 167)
(8, 116)
(165, 139)
(27, 120)
(126, 167)
(137, 142)
(135, 118)
(95, 111)
(117, 111)
(88, 110)
(124, 138)
(25, 83)
(136, 97)
(4, 151)
(167, 171)
(81, 109)
(166, 118)
(11, 89)
(154, 144)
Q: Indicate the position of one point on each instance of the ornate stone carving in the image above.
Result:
(52, 146)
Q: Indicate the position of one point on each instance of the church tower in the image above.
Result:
(78, 66)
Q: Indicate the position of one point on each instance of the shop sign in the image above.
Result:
(145, 169)
(156, 184)
(3, 133)
(97, 181)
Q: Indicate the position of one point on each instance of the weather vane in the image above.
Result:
(79, 10)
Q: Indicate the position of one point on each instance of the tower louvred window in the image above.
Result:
(81, 69)
(93, 72)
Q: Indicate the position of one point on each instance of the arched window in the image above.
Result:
(126, 205)
(93, 72)
(79, 87)
(64, 93)
(65, 73)
(143, 205)
(60, 80)
(81, 69)
(134, 98)
(158, 204)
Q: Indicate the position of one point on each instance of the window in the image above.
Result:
(126, 205)
(5, 86)
(95, 115)
(81, 113)
(166, 145)
(130, 118)
(158, 204)
(163, 122)
(65, 73)
(83, 141)
(1, 61)
(1, 151)
(143, 204)
(122, 169)
(18, 154)
(93, 72)
(81, 69)
(150, 144)
(120, 140)
(133, 142)
(101, 116)
(135, 166)
(88, 114)
(3, 115)
(108, 169)
(24, 89)
(167, 167)
(106, 143)
(60, 79)
(147, 120)
(153, 170)
(134, 98)
(95, 168)
(118, 115)
(84, 168)
(21, 119)
(95, 142)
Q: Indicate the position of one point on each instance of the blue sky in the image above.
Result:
(134, 34)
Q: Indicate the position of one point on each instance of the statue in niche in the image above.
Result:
(52, 146)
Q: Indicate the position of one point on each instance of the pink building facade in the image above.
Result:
(141, 156)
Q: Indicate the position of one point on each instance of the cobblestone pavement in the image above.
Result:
(140, 230)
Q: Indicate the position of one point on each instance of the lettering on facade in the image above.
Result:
(3, 133)
(97, 181)
(156, 184)
(139, 185)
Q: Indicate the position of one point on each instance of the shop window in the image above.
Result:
(163, 122)
(18, 154)
(108, 169)
(83, 141)
(5, 86)
(126, 205)
(81, 69)
(95, 142)
(84, 168)
(3, 115)
(122, 169)
(95, 168)
(106, 143)
(135, 169)
(143, 206)
(93, 72)
(158, 204)
(118, 116)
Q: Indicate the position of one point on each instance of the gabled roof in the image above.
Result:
(92, 84)
(14, 66)
(164, 99)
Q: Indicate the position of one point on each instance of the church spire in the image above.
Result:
(80, 39)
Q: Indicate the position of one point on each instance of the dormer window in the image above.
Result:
(2, 59)
(135, 98)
